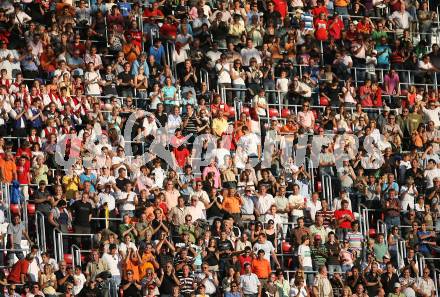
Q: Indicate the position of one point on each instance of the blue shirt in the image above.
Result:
(125, 8)
(135, 68)
(91, 178)
(385, 57)
(158, 53)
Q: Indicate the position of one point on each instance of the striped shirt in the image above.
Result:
(186, 284)
(327, 216)
(355, 239)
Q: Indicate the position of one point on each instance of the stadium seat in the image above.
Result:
(318, 186)
(273, 112)
(15, 209)
(68, 258)
(285, 113)
(31, 209)
(372, 232)
(286, 247)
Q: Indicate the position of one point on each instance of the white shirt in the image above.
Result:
(249, 283)
(123, 247)
(106, 198)
(430, 174)
(248, 53)
(296, 199)
(304, 252)
(264, 203)
(92, 86)
(313, 208)
(432, 115)
(220, 154)
(249, 144)
(80, 280)
(173, 122)
(267, 247)
(403, 19)
(197, 212)
(129, 203)
(113, 263)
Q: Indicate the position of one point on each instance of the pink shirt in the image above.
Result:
(306, 119)
(216, 175)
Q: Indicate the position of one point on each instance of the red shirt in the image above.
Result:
(335, 28)
(181, 156)
(364, 28)
(318, 10)
(281, 7)
(23, 173)
(346, 224)
(243, 260)
(168, 30)
(19, 268)
(321, 30)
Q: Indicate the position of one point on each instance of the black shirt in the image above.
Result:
(389, 282)
(126, 78)
(121, 183)
(372, 278)
(131, 291)
(82, 211)
(166, 287)
(59, 275)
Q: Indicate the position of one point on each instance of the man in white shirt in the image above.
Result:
(250, 52)
(113, 260)
(432, 113)
(296, 203)
(401, 18)
(264, 202)
(314, 205)
(249, 282)
(174, 120)
(249, 144)
(432, 172)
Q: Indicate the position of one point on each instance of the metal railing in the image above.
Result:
(40, 225)
(327, 189)
(363, 220)
(382, 228)
(437, 281)
(58, 237)
(421, 263)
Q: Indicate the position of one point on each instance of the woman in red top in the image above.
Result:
(217, 105)
(410, 97)
(321, 28)
(376, 95)
(320, 8)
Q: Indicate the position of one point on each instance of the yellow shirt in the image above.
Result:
(71, 185)
(219, 126)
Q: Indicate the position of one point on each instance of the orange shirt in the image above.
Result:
(231, 204)
(146, 264)
(341, 3)
(9, 169)
(131, 52)
(287, 129)
(261, 268)
(133, 265)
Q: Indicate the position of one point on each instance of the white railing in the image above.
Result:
(363, 220)
(382, 228)
(327, 189)
(40, 226)
(421, 263)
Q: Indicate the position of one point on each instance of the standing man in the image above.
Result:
(249, 282)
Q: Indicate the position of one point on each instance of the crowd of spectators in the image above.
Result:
(219, 95)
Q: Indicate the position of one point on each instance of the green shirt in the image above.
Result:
(123, 228)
